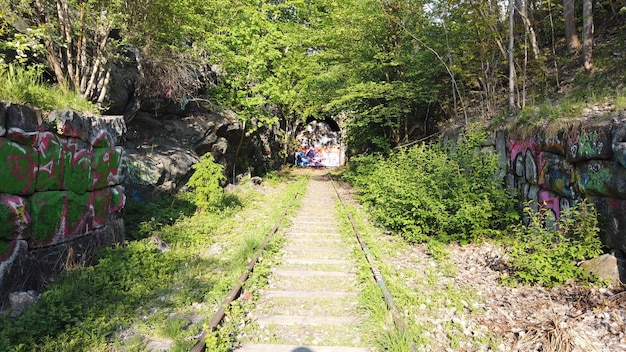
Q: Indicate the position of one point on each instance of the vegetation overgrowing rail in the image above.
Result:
(160, 288)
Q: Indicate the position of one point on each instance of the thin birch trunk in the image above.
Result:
(588, 34)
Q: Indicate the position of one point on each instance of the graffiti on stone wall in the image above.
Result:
(55, 187)
(581, 161)
(318, 146)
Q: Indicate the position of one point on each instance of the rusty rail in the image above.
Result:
(234, 294)
(378, 277)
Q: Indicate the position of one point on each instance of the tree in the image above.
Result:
(571, 36)
(512, 105)
(588, 34)
(79, 57)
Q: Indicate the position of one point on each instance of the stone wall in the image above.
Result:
(559, 165)
(60, 192)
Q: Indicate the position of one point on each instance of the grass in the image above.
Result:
(135, 294)
(25, 86)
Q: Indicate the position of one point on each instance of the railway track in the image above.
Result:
(311, 302)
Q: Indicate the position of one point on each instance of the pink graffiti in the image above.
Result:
(67, 129)
(548, 201)
(23, 168)
(47, 168)
(45, 141)
(520, 147)
(21, 137)
(67, 231)
(108, 172)
(523, 148)
(80, 153)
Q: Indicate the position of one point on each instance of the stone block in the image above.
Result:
(612, 221)
(619, 153)
(14, 217)
(47, 214)
(114, 126)
(551, 142)
(602, 178)
(23, 117)
(69, 123)
(558, 176)
(107, 167)
(101, 202)
(501, 147)
(3, 119)
(59, 216)
(590, 142)
(18, 167)
(101, 139)
(118, 199)
(79, 215)
(51, 166)
(78, 159)
(530, 167)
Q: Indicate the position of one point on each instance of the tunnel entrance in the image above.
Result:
(319, 144)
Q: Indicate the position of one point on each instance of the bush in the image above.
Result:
(447, 193)
(546, 251)
(206, 182)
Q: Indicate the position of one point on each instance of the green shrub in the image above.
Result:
(447, 193)
(206, 182)
(546, 250)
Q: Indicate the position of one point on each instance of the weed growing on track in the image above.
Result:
(136, 295)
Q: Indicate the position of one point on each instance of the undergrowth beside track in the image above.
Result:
(443, 193)
(135, 295)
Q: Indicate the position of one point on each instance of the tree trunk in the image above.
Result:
(523, 10)
(588, 34)
(50, 50)
(511, 62)
(573, 43)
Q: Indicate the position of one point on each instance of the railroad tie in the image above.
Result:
(311, 304)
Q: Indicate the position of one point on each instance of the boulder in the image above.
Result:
(23, 117)
(605, 267)
(21, 300)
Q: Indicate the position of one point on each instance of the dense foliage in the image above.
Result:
(391, 71)
(442, 193)
(449, 193)
(546, 251)
(25, 86)
(206, 182)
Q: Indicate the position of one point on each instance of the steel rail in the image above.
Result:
(378, 277)
(234, 294)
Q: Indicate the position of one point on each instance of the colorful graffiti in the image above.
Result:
(57, 183)
(569, 165)
(319, 146)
